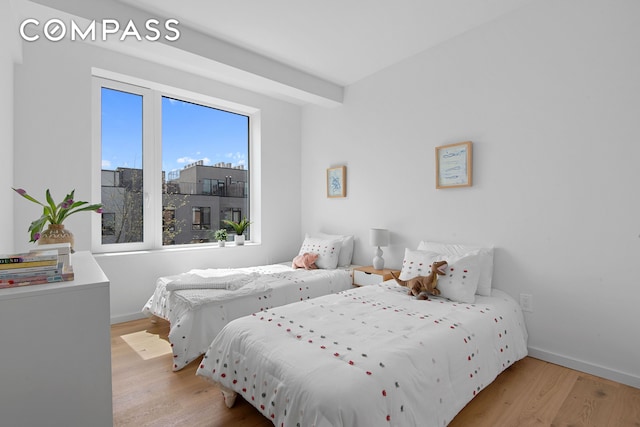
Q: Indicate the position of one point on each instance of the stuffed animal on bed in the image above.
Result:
(423, 286)
(306, 260)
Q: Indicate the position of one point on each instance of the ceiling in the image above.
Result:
(301, 51)
(340, 41)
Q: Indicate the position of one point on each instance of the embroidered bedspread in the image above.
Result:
(370, 356)
(196, 315)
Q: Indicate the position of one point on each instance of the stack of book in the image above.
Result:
(36, 267)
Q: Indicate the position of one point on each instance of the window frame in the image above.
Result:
(152, 156)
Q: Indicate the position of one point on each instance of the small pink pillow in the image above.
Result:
(307, 261)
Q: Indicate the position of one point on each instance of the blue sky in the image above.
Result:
(190, 132)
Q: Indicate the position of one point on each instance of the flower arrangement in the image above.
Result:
(55, 213)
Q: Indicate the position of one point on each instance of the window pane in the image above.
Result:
(205, 153)
(121, 166)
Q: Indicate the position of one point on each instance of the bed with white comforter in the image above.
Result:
(200, 302)
(370, 356)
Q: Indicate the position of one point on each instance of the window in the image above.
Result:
(168, 220)
(201, 218)
(171, 166)
(108, 224)
(168, 225)
(232, 214)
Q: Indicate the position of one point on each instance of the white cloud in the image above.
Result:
(185, 160)
(106, 164)
(236, 158)
(188, 160)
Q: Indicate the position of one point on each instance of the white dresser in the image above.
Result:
(55, 351)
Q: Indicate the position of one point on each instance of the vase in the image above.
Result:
(56, 233)
(221, 243)
(239, 239)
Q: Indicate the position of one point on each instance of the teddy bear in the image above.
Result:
(306, 260)
(422, 286)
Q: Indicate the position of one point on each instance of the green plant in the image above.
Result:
(238, 227)
(55, 213)
(220, 234)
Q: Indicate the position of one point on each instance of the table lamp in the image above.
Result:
(378, 237)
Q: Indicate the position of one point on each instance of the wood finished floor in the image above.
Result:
(529, 393)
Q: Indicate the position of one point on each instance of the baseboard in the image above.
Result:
(127, 318)
(582, 366)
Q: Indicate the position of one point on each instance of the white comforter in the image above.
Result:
(370, 356)
(204, 301)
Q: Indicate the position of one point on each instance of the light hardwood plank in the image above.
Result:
(544, 396)
(148, 393)
(627, 408)
(589, 404)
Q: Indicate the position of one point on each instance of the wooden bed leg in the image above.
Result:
(229, 396)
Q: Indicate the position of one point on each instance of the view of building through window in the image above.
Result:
(205, 171)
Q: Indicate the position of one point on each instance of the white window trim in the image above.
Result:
(152, 157)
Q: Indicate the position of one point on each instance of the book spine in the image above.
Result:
(36, 280)
(31, 270)
(11, 260)
(17, 274)
(26, 258)
(28, 264)
(50, 255)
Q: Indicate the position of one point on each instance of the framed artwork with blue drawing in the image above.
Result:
(453, 165)
(337, 181)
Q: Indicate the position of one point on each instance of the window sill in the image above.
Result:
(186, 248)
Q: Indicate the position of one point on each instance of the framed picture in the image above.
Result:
(337, 181)
(453, 165)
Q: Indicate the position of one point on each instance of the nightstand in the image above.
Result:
(363, 276)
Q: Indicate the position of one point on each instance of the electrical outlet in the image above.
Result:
(526, 302)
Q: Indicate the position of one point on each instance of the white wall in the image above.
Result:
(53, 150)
(9, 53)
(549, 96)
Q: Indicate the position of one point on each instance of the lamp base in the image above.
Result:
(378, 261)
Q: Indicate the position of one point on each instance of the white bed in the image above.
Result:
(370, 356)
(197, 313)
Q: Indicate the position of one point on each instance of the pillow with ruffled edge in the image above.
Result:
(418, 263)
(485, 259)
(461, 281)
(346, 248)
(328, 251)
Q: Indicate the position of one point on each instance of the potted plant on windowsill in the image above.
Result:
(239, 228)
(221, 236)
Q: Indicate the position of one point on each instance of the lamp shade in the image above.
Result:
(379, 237)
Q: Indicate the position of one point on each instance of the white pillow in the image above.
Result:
(418, 263)
(346, 248)
(461, 281)
(485, 259)
(328, 251)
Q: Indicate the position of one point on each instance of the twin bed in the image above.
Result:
(373, 356)
(200, 302)
(197, 313)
